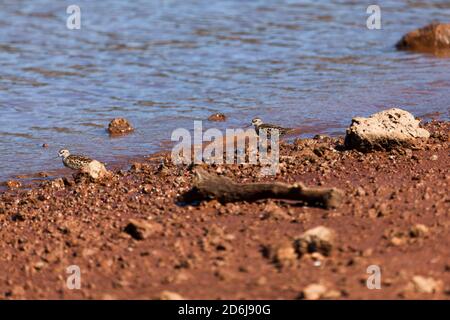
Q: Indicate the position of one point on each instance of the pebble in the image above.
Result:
(141, 230)
(425, 285)
(13, 184)
(320, 239)
(271, 210)
(169, 295)
(283, 254)
(418, 230)
(314, 291)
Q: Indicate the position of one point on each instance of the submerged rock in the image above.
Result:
(120, 126)
(432, 38)
(217, 117)
(385, 130)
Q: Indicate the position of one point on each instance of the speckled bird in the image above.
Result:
(75, 162)
(260, 125)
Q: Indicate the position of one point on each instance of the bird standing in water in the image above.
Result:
(260, 125)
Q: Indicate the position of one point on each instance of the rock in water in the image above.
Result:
(217, 117)
(120, 126)
(432, 38)
(385, 130)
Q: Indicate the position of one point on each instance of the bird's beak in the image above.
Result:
(248, 126)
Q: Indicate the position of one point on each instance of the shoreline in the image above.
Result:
(31, 179)
(396, 208)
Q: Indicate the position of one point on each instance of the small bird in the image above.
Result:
(260, 125)
(75, 162)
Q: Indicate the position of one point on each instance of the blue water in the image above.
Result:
(163, 64)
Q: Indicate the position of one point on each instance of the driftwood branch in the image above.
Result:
(209, 186)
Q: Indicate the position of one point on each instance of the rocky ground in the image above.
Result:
(132, 239)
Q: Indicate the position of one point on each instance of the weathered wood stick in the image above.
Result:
(210, 186)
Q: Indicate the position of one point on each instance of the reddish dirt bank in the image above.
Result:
(395, 215)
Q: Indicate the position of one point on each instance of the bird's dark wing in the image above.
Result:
(268, 126)
(80, 158)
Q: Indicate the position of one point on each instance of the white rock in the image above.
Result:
(425, 285)
(320, 239)
(95, 169)
(168, 295)
(314, 291)
(385, 130)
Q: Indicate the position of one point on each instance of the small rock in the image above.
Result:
(360, 192)
(418, 230)
(434, 157)
(39, 265)
(140, 230)
(261, 281)
(282, 254)
(407, 152)
(367, 253)
(319, 239)
(271, 210)
(168, 295)
(57, 183)
(397, 241)
(217, 117)
(45, 145)
(120, 126)
(13, 184)
(320, 137)
(425, 285)
(136, 167)
(313, 291)
(317, 258)
(219, 170)
(147, 188)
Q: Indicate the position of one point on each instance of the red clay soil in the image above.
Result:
(396, 215)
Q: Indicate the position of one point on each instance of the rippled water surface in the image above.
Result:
(162, 64)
